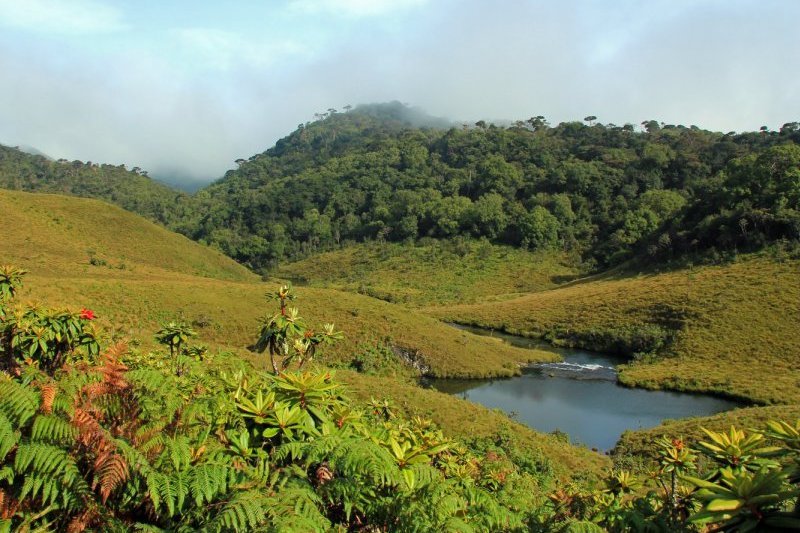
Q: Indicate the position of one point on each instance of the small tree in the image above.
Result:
(40, 336)
(286, 336)
(175, 335)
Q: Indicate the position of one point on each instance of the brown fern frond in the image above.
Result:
(110, 469)
(8, 506)
(110, 473)
(112, 369)
(48, 396)
(92, 391)
(82, 521)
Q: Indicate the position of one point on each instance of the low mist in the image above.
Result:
(185, 96)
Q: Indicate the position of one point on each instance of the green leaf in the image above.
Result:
(723, 505)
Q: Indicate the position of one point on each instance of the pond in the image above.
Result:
(579, 396)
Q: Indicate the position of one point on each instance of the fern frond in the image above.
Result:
(18, 402)
(110, 472)
(49, 472)
(244, 512)
(52, 429)
(209, 481)
(297, 509)
(48, 391)
(361, 458)
(8, 436)
(179, 451)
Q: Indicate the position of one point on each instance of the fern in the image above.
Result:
(18, 402)
(8, 436)
(52, 429)
(111, 471)
(209, 481)
(297, 508)
(179, 452)
(48, 472)
(244, 512)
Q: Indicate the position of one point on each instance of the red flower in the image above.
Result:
(87, 314)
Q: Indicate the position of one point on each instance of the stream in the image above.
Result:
(579, 396)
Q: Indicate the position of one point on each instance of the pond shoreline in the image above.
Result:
(538, 341)
(580, 396)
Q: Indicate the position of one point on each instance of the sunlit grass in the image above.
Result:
(729, 329)
(432, 273)
(166, 276)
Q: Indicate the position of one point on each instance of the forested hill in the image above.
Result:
(387, 172)
(130, 189)
(604, 191)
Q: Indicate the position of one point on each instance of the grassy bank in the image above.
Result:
(729, 329)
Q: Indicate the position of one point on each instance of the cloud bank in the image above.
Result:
(185, 91)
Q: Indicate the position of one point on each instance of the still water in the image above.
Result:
(579, 396)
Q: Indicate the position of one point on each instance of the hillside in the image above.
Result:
(129, 189)
(605, 193)
(729, 329)
(432, 273)
(166, 276)
(59, 236)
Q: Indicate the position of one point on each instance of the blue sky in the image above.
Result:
(185, 88)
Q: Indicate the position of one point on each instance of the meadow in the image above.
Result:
(433, 272)
(135, 276)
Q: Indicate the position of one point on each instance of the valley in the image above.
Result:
(689, 310)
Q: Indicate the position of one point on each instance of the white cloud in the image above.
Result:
(60, 16)
(224, 50)
(355, 8)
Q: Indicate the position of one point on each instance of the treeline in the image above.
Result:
(386, 172)
(607, 192)
(130, 189)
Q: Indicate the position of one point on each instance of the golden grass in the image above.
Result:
(431, 274)
(167, 276)
(55, 235)
(233, 310)
(736, 326)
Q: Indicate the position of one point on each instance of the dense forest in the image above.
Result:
(605, 191)
(381, 172)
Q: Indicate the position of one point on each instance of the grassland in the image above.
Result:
(53, 236)
(729, 329)
(434, 273)
(167, 276)
(143, 275)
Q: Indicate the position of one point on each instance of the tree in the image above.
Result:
(175, 335)
(286, 336)
(539, 229)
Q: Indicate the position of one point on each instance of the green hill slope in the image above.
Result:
(606, 192)
(57, 235)
(729, 329)
(130, 189)
(434, 273)
(167, 276)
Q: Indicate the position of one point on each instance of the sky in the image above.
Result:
(183, 88)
